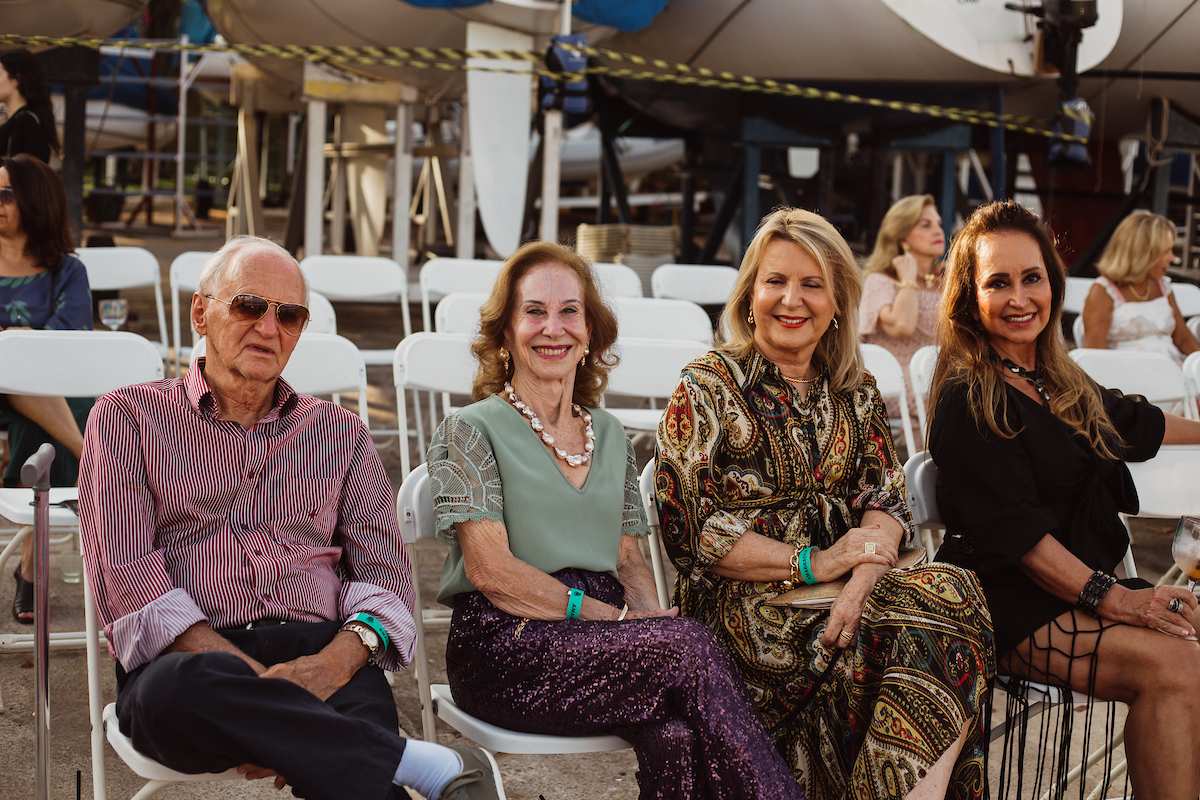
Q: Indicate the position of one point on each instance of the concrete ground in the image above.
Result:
(608, 775)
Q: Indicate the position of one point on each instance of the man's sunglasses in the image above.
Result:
(7, 196)
(292, 317)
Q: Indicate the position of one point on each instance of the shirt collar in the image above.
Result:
(201, 397)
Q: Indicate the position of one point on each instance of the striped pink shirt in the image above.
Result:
(186, 517)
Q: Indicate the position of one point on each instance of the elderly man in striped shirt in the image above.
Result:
(247, 565)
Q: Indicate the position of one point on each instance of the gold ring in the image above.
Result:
(845, 635)
(869, 548)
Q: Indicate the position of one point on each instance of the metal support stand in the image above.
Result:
(36, 473)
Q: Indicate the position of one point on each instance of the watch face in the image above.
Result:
(371, 638)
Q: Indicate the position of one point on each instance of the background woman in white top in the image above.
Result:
(1131, 306)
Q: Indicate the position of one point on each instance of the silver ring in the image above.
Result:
(1175, 606)
(869, 548)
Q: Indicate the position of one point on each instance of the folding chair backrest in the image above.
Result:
(1153, 375)
(920, 481)
(1187, 297)
(325, 363)
(1078, 331)
(650, 502)
(184, 278)
(359, 279)
(321, 316)
(618, 280)
(658, 318)
(1076, 293)
(651, 367)
(441, 276)
(1166, 484)
(706, 284)
(115, 268)
(1191, 383)
(75, 363)
(458, 312)
(890, 379)
(920, 375)
(438, 362)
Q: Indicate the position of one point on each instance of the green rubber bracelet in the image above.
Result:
(373, 624)
(805, 561)
(574, 603)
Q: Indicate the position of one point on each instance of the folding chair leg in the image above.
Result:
(422, 661)
(95, 692)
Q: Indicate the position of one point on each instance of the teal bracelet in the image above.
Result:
(805, 561)
(574, 603)
(373, 624)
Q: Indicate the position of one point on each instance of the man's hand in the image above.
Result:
(254, 773)
(200, 638)
(327, 671)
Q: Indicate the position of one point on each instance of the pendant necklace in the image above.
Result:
(1034, 377)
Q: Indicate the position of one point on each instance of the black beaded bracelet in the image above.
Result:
(1094, 591)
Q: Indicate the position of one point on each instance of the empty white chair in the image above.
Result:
(435, 362)
(649, 368)
(1078, 331)
(1187, 297)
(184, 278)
(117, 268)
(441, 276)
(1076, 293)
(458, 312)
(920, 375)
(618, 280)
(889, 377)
(321, 316)
(706, 284)
(657, 318)
(1153, 375)
(360, 279)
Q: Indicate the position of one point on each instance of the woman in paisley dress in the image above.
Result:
(777, 443)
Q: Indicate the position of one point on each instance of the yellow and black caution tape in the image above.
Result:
(450, 59)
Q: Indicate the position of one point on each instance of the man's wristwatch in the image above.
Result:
(369, 638)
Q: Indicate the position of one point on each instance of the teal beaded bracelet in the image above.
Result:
(574, 603)
(805, 561)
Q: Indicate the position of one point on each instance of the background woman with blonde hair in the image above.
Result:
(777, 469)
(1131, 305)
(902, 286)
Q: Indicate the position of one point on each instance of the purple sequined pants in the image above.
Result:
(666, 685)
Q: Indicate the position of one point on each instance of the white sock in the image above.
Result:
(427, 767)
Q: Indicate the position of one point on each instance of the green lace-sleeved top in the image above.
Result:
(486, 463)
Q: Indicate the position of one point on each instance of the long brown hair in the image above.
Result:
(965, 346)
(496, 315)
(42, 203)
(838, 349)
(898, 223)
(23, 67)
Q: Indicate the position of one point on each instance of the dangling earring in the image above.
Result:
(583, 361)
(504, 358)
(834, 324)
(750, 317)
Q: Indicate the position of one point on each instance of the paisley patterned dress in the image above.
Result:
(738, 452)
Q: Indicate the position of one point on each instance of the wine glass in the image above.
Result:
(1185, 549)
(113, 313)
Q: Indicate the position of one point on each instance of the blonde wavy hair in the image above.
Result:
(965, 346)
(898, 223)
(837, 349)
(1137, 244)
(497, 314)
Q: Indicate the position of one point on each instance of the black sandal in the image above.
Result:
(23, 600)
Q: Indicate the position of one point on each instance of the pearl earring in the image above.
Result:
(583, 361)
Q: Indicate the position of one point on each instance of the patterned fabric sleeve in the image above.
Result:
(463, 477)
(878, 291)
(633, 517)
(696, 532)
(878, 484)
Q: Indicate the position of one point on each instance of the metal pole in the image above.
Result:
(552, 138)
(36, 473)
(314, 179)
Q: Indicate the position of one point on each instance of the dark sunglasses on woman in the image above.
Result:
(292, 317)
(7, 196)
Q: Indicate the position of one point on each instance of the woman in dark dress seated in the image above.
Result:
(1031, 476)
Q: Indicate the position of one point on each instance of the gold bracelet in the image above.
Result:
(624, 611)
(907, 285)
(794, 563)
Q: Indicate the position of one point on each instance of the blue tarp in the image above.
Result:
(624, 15)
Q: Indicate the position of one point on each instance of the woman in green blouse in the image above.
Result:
(557, 627)
(776, 466)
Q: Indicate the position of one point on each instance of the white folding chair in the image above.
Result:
(184, 278)
(658, 318)
(434, 362)
(116, 268)
(706, 284)
(325, 363)
(890, 379)
(441, 276)
(415, 509)
(650, 501)
(920, 479)
(1153, 375)
(618, 280)
(361, 279)
(1076, 294)
(1166, 488)
(649, 368)
(920, 375)
(1078, 331)
(63, 364)
(321, 316)
(1187, 297)
(1191, 384)
(458, 312)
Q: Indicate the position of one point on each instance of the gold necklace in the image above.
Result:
(589, 444)
(798, 381)
(1139, 296)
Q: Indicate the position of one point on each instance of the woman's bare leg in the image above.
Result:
(1154, 673)
(937, 780)
(53, 415)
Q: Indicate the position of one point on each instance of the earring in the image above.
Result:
(504, 358)
(835, 323)
(750, 317)
(583, 361)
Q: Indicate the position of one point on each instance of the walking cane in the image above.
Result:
(36, 473)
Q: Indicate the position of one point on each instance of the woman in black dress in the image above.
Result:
(1031, 477)
(25, 95)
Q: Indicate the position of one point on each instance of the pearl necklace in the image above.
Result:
(588, 446)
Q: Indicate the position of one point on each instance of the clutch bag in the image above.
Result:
(822, 595)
